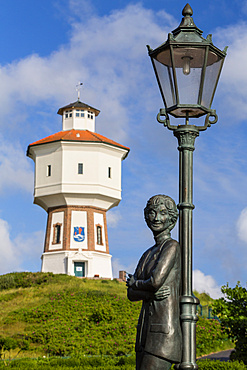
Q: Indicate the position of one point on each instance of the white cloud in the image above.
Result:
(117, 266)
(113, 218)
(242, 225)
(233, 81)
(17, 250)
(15, 169)
(107, 54)
(206, 283)
(9, 257)
(31, 245)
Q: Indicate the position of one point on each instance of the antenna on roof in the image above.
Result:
(78, 89)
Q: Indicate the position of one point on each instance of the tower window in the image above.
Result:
(80, 168)
(99, 234)
(79, 113)
(57, 233)
(68, 113)
(109, 172)
(48, 170)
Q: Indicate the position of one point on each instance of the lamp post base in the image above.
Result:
(188, 324)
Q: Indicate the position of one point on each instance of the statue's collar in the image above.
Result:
(162, 237)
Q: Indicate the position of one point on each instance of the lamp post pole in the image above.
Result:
(186, 136)
(187, 67)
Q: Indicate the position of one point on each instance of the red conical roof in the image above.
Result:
(78, 135)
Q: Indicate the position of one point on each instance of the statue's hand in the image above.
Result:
(130, 280)
(162, 293)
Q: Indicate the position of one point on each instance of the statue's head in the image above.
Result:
(160, 213)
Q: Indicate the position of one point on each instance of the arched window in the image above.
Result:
(57, 233)
(99, 234)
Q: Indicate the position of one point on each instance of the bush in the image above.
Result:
(209, 336)
(232, 311)
(106, 363)
(85, 363)
(7, 281)
(218, 365)
(6, 344)
(24, 279)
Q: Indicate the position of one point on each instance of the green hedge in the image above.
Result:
(28, 279)
(218, 365)
(86, 363)
(106, 363)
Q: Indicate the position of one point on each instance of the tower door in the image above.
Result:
(79, 269)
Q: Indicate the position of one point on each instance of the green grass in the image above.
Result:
(59, 315)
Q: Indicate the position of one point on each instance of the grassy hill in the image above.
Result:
(43, 314)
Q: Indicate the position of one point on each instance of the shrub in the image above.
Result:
(218, 365)
(29, 279)
(6, 344)
(106, 363)
(7, 281)
(24, 279)
(210, 336)
(232, 310)
(85, 363)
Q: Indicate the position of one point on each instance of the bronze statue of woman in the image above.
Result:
(156, 281)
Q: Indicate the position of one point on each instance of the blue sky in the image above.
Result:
(46, 48)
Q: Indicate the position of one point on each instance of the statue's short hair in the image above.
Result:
(169, 204)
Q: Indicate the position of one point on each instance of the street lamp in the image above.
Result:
(187, 67)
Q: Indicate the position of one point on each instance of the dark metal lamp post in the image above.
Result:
(187, 67)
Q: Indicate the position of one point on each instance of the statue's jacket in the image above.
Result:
(158, 329)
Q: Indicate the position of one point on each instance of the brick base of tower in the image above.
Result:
(76, 242)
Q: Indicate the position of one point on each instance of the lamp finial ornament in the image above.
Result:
(187, 20)
(187, 10)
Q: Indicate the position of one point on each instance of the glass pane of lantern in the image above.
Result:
(164, 71)
(211, 76)
(189, 63)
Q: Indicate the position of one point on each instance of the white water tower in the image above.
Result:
(77, 179)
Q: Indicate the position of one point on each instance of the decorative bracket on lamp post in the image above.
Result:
(166, 120)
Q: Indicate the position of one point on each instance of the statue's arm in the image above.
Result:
(134, 294)
(139, 295)
(161, 271)
(145, 295)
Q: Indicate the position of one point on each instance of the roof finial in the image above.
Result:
(78, 89)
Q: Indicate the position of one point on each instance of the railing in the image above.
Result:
(206, 312)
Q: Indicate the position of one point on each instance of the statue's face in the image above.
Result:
(157, 218)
